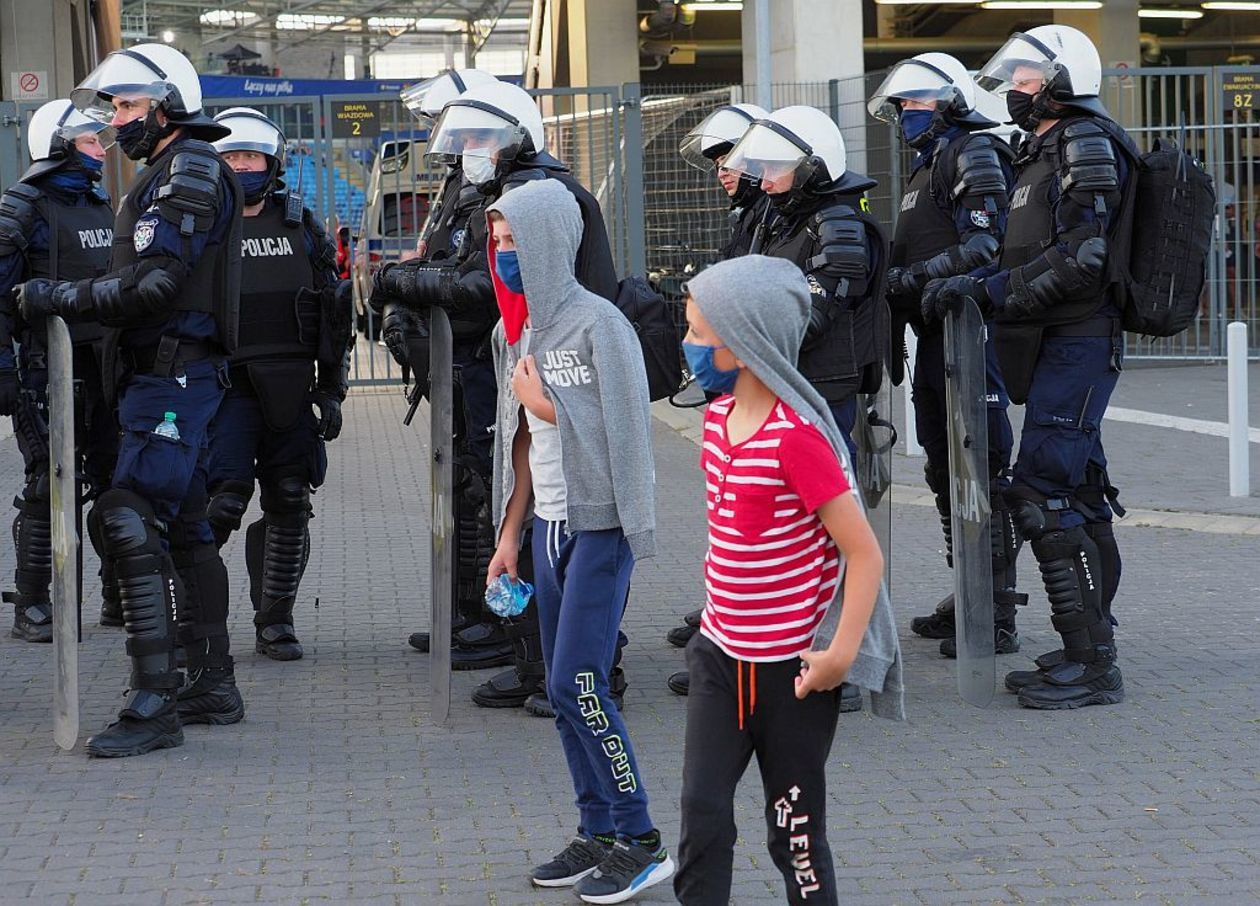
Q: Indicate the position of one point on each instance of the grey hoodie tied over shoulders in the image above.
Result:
(592, 368)
(759, 306)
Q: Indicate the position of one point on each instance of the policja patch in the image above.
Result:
(142, 236)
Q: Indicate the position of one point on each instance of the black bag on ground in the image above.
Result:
(653, 321)
(1171, 208)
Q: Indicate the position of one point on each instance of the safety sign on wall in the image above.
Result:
(31, 85)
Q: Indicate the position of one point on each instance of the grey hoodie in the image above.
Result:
(759, 307)
(592, 368)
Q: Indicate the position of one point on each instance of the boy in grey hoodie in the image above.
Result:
(794, 603)
(573, 444)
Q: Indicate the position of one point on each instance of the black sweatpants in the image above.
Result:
(733, 710)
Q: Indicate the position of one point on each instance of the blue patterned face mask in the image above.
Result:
(707, 374)
(508, 267)
(89, 163)
(253, 185)
(914, 123)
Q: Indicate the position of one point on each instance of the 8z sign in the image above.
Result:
(1242, 91)
(356, 119)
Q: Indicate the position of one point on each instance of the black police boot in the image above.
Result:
(420, 640)
(679, 636)
(480, 646)
(1072, 684)
(148, 721)
(679, 683)
(210, 696)
(1005, 637)
(939, 624)
(539, 705)
(32, 621)
(278, 641)
(528, 675)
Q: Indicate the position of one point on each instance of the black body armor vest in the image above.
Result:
(279, 315)
(79, 240)
(923, 230)
(214, 285)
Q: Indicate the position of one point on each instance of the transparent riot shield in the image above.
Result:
(442, 525)
(65, 534)
(875, 437)
(969, 500)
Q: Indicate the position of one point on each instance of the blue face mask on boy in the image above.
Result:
(508, 268)
(707, 374)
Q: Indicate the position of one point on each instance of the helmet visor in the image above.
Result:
(1022, 64)
(426, 98)
(766, 152)
(909, 80)
(121, 76)
(715, 136)
(106, 135)
(467, 128)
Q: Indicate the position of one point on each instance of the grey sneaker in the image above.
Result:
(627, 870)
(581, 857)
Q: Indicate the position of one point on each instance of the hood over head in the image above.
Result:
(759, 307)
(547, 225)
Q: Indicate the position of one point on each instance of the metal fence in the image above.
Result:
(670, 219)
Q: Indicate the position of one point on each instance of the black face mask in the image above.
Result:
(1019, 105)
(134, 139)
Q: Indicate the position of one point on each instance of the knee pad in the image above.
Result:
(286, 494)
(126, 524)
(1004, 536)
(229, 501)
(38, 488)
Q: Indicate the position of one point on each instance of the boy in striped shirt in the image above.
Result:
(787, 538)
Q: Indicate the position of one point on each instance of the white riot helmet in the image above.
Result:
(426, 98)
(488, 128)
(802, 141)
(932, 78)
(1065, 58)
(717, 134)
(51, 134)
(252, 131)
(155, 73)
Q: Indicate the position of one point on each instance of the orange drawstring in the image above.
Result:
(752, 689)
(739, 689)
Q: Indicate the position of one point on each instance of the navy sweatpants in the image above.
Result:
(580, 582)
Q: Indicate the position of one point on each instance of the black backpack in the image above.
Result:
(653, 321)
(1169, 208)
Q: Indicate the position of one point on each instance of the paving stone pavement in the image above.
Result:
(338, 787)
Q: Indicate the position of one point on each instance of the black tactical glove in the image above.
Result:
(39, 298)
(8, 390)
(940, 297)
(329, 415)
(396, 322)
(903, 282)
(1054, 278)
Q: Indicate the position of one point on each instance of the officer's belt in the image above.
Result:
(170, 352)
(1090, 327)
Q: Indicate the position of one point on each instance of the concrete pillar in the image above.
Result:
(53, 38)
(603, 42)
(813, 42)
(1114, 29)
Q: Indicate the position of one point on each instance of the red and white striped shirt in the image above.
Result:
(772, 568)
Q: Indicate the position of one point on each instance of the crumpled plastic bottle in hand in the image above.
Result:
(507, 598)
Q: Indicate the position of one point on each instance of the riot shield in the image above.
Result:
(65, 534)
(442, 524)
(875, 437)
(965, 394)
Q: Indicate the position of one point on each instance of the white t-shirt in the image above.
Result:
(545, 462)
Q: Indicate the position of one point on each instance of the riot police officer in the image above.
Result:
(705, 147)
(953, 212)
(820, 222)
(1053, 293)
(55, 223)
(169, 300)
(477, 637)
(495, 131)
(293, 358)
